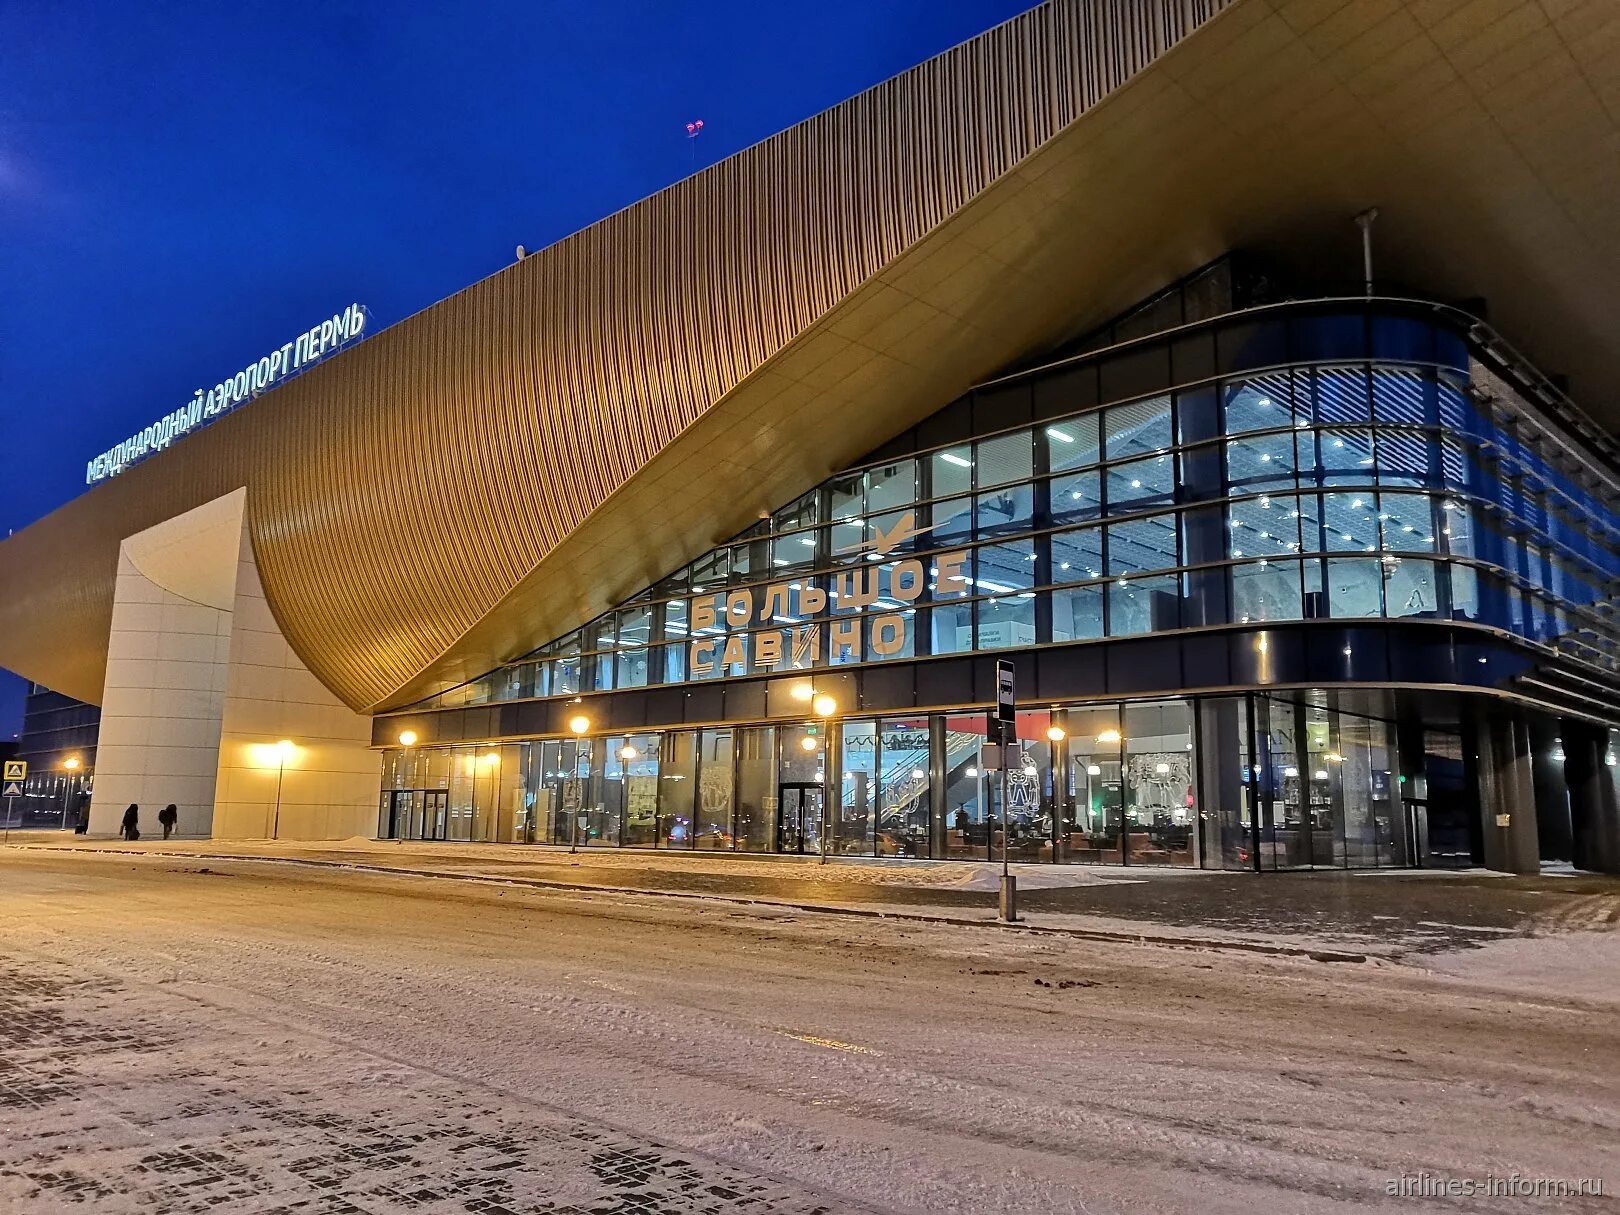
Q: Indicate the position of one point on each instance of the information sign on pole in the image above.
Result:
(1001, 726)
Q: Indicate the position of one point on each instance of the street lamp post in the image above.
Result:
(70, 765)
(825, 707)
(284, 750)
(579, 724)
(407, 740)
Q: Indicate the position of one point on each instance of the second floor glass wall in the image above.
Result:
(1323, 488)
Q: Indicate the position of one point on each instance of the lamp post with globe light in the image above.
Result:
(70, 765)
(579, 725)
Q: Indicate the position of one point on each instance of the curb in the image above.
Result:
(1086, 934)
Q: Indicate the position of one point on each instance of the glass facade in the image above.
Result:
(1347, 490)
(1311, 779)
(1335, 462)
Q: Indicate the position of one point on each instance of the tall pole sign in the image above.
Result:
(1002, 728)
(16, 772)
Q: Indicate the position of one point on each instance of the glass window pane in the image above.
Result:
(1263, 527)
(711, 570)
(801, 513)
(1341, 395)
(1261, 461)
(1077, 555)
(857, 800)
(903, 804)
(951, 628)
(1355, 586)
(891, 486)
(1345, 457)
(677, 787)
(1008, 510)
(966, 834)
(1403, 394)
(1007, 621)
(756, 789)
(1408, 522)
(1350, 523)
(603, 813)
(1137, 427)
(1143, 605)
(953, 522)
(951, 471)
(1140, 484)
(1142, 545)
(845, 496)
(1076, 497)
(845, 538)
(715, 780)
(1406, 458)
(1266, 590)
(1072, 443)
(1089, 831)
(1160, 807)
(797, 550)
(638, 773)
(1006, 458)
(1412, 587)
(1077, 613)
(1457, 527)
(1259, 403)
(1464, 593)
(1007, 567)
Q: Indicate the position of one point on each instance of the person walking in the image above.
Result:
(82, 825)
(130, 828)
(168, 816)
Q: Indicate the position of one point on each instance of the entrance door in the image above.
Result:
(1417, 832)
(399, 818)
(798, 819)
(400, 815)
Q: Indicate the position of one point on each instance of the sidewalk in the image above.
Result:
(1389, 914)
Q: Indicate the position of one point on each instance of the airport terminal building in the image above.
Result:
(705, 528)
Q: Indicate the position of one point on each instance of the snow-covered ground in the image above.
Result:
(175, 1030)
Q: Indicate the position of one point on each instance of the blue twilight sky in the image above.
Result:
(185, 187)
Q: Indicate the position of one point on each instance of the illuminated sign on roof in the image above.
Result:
(306, 349)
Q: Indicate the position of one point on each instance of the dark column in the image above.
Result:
(1477, 777)
(938, 781)
(1507, 803)
(1594, 814)
(1411, 785)
(1552, 796)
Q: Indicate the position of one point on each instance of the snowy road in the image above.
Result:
(185, 1036)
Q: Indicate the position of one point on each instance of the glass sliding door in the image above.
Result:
(801, 788)
(756, 789)
(637, 767)
(1322, 783)
(903, 801)
(716, 780)
(1161, 807)
(857, 801)
(1226, 824)
(966, 830)
(1093, 800)
(677, 788)
(1029, 791)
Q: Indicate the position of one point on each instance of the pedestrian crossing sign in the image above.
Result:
(13, 789)
(16, 769)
